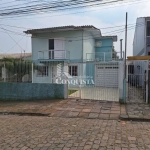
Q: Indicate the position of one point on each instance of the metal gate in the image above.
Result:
(94, 80)
(137, 74)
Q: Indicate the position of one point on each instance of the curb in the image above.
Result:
(127, 118)
(24, 114)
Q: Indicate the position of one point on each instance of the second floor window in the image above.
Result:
(73, 70)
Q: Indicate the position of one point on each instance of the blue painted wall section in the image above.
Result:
(107, 45)
(90, 71)
(31, 91)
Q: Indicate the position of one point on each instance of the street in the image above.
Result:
(56, 133)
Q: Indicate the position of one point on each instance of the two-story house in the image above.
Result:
(71, 46)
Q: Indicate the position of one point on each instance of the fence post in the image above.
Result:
(4, 72)
(148, 86)
(32, 72)
(147, 79)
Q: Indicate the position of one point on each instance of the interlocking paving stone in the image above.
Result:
(48, 133)
(93, 115)
(137, 111)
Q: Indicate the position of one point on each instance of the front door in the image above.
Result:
(56, 48)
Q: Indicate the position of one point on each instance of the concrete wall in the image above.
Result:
(31, 91)
(72, 43)
(139, 38)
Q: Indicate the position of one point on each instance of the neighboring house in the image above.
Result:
(141, 42)
(69, 45)
(141, 47)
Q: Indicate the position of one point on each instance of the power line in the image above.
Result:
(119, 31)
(110, 32)
(75, 12)
(14, 26)
(46, 27)
(59, 7)
(11, 37)
(14, 45)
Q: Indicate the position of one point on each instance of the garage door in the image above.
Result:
(106, 76)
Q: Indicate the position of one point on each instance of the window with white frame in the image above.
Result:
(42, 71)
(73, 70)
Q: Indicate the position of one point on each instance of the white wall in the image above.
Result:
(139, 37)
(72, 43)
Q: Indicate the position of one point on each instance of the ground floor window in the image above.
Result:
(42, 71)
(73, 70)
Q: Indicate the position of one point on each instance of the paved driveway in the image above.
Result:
(97, 93)
(50, 133)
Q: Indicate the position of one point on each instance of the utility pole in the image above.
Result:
(124, 81)
(121, 48)
(126, 27)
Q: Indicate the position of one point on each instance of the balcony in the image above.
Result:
(104, 56)
(53, 55)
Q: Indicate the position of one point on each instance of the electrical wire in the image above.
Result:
(74, 38)
(29, 17)
(11, 37)
(33, 10)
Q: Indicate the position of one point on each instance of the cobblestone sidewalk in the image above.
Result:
(137, 111)
(67, 108)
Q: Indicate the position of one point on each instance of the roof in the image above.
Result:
(138, 57)
(114, 37)
(61, 28)
(15, 55)
(148, 17)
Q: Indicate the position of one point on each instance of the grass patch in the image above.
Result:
(71, 92)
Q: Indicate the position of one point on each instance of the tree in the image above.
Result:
(15, 68)
(114, 54)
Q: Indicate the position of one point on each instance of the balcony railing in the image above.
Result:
(53, 54)
(105, 56)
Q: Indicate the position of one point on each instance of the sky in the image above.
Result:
(100, 17)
